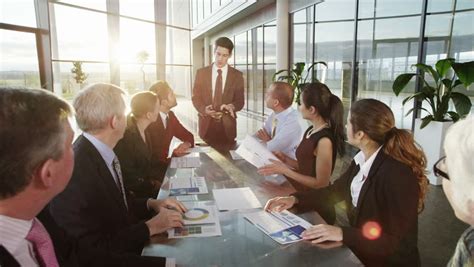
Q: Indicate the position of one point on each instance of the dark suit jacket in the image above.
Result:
(135, 156)
(160, 138)
(233, 94)
(389, 197)
(91, 207)
(69, 252)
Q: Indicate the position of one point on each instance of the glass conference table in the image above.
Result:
(241, 243)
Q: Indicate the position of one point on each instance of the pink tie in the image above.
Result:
(43, 246)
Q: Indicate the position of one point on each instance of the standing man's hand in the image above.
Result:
(209, 110)
(229, 108)
(263, 135)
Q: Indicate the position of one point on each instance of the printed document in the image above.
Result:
(187, 186)
(201, 219)
(283, 227)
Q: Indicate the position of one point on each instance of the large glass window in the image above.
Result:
(177, 46)
(135, 64)
(76, 41)
(18, 59)
(132, 51)
(142, 9)
(387, 44)
(175, 15)
(19, 12)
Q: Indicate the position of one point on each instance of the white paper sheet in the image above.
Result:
(175, 142)
(255, 152)
(185, 162)
(201, 219)
(283, 227)
(235, 156)
(236, 199)
(199, 149)
(258, 155)
(187, 186)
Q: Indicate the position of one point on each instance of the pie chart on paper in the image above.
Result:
(196, 214)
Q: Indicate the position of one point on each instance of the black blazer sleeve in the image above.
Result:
(90, 210)
(398, 192)
(70, 252)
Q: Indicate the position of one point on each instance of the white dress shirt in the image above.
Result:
(12, 237)
(288, 132)
(214, 77)
(107, 154)
(164, 117)
(361, 176)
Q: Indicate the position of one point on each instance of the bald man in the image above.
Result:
(281, 130)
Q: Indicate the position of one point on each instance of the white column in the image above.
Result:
(207, 51)
(282, 41)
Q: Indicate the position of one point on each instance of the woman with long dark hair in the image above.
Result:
(316, 153)
(383, 189)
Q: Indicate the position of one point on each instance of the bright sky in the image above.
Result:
(82, 34)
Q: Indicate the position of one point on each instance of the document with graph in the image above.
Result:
(201, 220)
(283, 227)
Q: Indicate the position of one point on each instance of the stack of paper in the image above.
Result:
(185, 162)
(188, 186)
(236, 199)
(283, 227)
(200, 220)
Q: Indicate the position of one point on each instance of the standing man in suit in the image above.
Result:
(36, 164)
(167, 126)
(218, 94)
(95, 207)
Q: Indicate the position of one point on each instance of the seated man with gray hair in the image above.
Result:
(457, 169)
(96, 207)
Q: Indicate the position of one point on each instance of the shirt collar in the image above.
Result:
(105, 151)
(224, 69)
(365, 165)
(281, 115)
(14, 230)
(163, 115)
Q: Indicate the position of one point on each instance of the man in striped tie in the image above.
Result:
(95, 206)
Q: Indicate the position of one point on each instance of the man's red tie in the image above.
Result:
(218, 92)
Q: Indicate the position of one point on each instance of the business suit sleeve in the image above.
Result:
(78, 209)
(198, 92)
(70, 252)
(399, 202)
(180, 131)
(239, 100)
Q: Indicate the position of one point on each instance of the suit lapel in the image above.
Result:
(105, 174)
(373, 170)
(208, 79)
(228, 83)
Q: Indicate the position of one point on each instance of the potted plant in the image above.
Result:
(295, 77)
(439, 86)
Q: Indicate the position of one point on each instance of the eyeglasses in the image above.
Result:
(437, 168)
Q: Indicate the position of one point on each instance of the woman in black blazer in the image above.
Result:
(140, 175)
(383, 190)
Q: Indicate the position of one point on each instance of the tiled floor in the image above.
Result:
(438, 228)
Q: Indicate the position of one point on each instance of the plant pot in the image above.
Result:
(431, 140)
